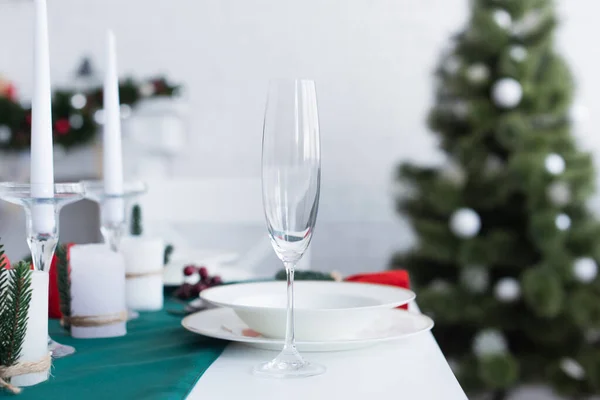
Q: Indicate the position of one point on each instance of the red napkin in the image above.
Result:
(397, 277)
(53, 294)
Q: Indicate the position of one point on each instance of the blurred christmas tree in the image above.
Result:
(507, 253)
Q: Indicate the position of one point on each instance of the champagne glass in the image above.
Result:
(291, 178)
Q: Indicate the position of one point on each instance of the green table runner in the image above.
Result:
(158, 359)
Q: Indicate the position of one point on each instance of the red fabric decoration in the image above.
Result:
(53, 294)
(6, 260)
(398, 278)
(62, 126)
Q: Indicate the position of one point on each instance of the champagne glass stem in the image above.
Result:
(290, 344)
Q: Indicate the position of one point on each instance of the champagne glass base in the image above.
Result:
(288, 365)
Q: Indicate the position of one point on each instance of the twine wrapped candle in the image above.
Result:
(144, 266)
(97, 292)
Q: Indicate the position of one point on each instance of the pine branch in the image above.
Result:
(64, 284)
(16, 313)
(136, 221)
(167, 254)
(3, 297)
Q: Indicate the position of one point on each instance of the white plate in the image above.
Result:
(222, 323)
(324, 310)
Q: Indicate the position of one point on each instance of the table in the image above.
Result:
(413, 369)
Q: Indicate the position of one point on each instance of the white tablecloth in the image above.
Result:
(409, 369)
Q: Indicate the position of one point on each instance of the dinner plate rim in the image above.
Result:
(409, 296)
(230, 337)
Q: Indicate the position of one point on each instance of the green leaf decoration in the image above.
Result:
(136, 221)
(64, 284)
(305, 276)
(13, 325)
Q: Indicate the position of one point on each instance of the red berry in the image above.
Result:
(189, 270)
(203, 273)
(200, 286)
(186, 291)
(216, 280)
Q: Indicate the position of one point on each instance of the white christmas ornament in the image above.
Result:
(99, 117)
(563, 222)
(559, 193)
(454, 173)
(572, 368)
(78, 101)
(585, 269)
(465, 223)
(460, 109)
(507, 93)
(476, 278)
(507, 290)
(5, 134)
(502, 18)
(452, 65)
(555, 164)
(478, 73)
(493, 165)
(439, 286)
(489, 342)
(518, 53)
(76, 121)
(147, 90)
(528, 23)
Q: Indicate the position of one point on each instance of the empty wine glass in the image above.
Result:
(291, 178)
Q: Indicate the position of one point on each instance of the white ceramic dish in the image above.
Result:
(222, 323)
(324, 310)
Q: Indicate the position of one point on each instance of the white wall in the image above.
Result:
(372, 60)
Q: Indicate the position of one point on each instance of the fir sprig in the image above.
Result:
(13, 326)
(136, 221)
(64, 284)
(3, 281)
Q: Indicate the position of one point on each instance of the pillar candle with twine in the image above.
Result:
(144, 265)
(97, 292)
(35, 345)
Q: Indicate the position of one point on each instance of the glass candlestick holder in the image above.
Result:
(114, 209)
(42, 228)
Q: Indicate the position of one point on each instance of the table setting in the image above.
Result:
(121, 325)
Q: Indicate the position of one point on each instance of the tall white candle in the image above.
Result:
(144, 266)
(42, 163)
(113, 158)
(35, 345)
(97, 290)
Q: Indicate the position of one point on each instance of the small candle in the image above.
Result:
(97, 291)
(144, 267)
(35, 345)
(112, 157)
(42, 162)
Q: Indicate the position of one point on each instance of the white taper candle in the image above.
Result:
(113, 157)
(42, 161)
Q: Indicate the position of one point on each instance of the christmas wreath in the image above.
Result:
(75, 114)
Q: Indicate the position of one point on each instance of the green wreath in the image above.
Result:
(73, 113)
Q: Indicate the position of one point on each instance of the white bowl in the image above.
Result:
(324, 310)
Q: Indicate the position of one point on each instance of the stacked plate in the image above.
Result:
(329, 316)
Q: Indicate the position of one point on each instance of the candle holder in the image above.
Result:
(112, 230)
(42, 231)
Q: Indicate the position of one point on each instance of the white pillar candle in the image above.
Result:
(144, 266)
(42, 162)
(97, 289)
(112, 156)
(35, 346)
